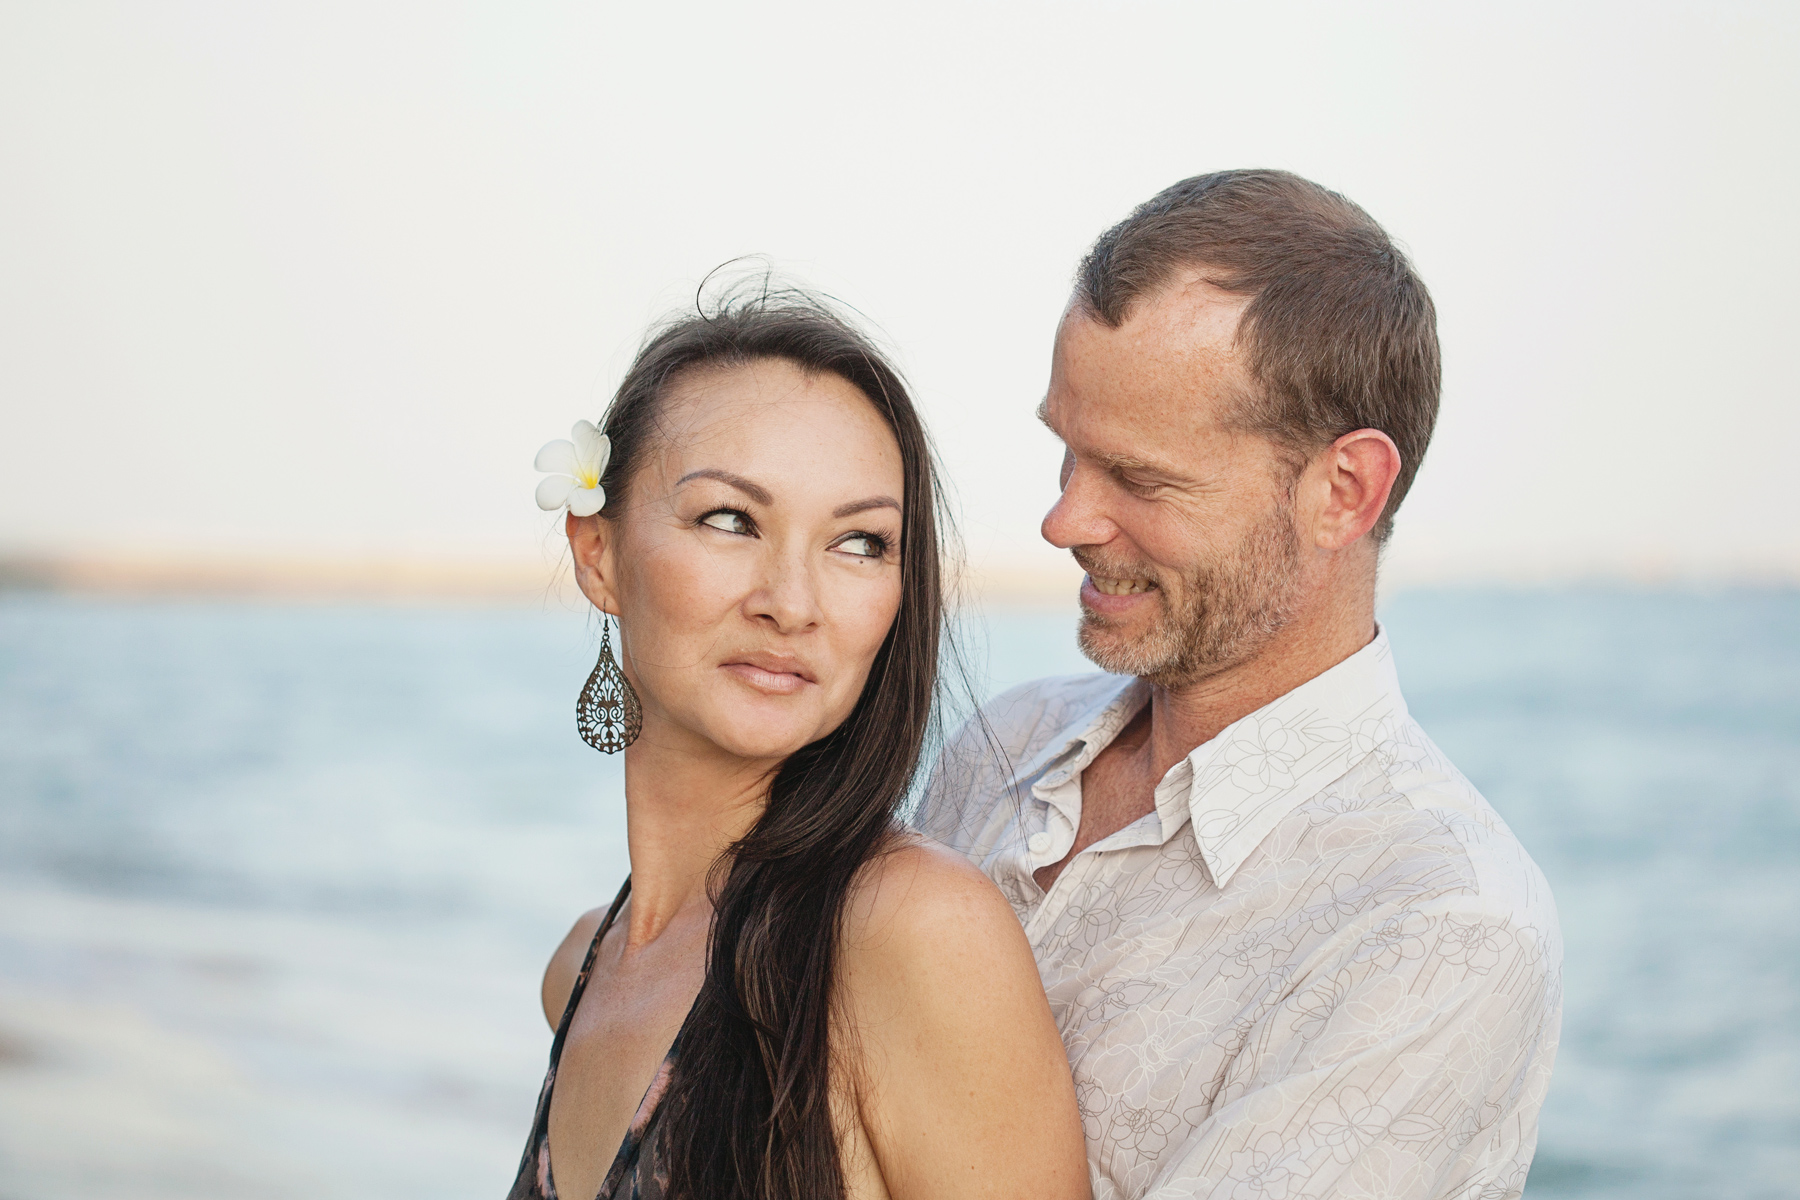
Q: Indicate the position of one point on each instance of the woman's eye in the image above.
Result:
(730, 520)
(864, 545)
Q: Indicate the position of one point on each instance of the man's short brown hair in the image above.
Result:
(1340, 330)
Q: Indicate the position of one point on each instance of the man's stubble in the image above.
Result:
(1231, 608)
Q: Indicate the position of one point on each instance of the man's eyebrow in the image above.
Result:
(856, 506)
(1128, 464)
(1125, 462)
(1112, 462)
(755, 491)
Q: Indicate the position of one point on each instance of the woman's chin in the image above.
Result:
(761, 735)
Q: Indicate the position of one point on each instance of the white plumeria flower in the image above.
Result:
(578, 465)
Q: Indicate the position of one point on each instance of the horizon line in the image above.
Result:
(519, 580)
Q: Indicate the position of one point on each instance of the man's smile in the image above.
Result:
(1120, 587)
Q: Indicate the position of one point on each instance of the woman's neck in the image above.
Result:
(685, 805)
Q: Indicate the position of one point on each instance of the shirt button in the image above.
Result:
(1039, 842)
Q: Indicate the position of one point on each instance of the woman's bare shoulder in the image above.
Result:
(924, 913)
(953, 1046)
(565, 964)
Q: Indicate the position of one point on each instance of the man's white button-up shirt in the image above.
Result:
(1323, 966)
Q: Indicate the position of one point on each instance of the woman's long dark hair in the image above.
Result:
(748, 1113)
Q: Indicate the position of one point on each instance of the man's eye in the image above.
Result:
(864, 545)
(730, 520)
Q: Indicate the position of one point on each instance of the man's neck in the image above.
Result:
(1119, 786)
(1184, 717)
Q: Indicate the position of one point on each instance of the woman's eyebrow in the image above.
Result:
(755, 491)
(760, 494)
(856, 506)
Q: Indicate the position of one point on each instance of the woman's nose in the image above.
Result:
(789, 595)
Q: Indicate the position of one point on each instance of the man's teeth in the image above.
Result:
(1121, 587)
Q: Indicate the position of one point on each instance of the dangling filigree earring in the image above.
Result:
(608, 713)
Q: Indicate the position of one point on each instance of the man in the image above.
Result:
(1292, 952)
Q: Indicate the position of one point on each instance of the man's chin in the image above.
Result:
(1118, 647)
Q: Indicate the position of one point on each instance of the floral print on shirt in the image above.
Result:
(1322, 967)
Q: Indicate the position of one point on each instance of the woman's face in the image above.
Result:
(755, 570)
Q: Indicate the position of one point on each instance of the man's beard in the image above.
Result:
(1231, 609)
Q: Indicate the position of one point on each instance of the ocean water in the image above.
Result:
(277, 884)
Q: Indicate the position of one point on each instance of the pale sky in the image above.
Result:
(319, 278)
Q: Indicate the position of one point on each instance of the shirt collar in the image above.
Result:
(1238, 786)
(1264, 766)
(1090, 729)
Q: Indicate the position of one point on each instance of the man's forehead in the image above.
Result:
(1188, 317)
(1174, 362)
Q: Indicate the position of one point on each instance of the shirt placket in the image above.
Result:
(1060, 803)
(1056, 813)
(1050, 821)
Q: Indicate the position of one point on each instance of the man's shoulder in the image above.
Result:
(1029, 716)
(1408, 794)
(998, 743)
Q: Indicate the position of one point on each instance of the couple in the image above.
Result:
(1218, 922)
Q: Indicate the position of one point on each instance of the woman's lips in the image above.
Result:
(775, 674)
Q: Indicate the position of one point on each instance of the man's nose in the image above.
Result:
(1078, 518)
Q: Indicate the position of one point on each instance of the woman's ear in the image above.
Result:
(591, 543)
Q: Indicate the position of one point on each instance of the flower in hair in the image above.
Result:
(576, 467)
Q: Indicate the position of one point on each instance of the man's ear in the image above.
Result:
(591, 543)
(1357, 473)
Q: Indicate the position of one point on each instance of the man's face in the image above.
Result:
(1185, 527)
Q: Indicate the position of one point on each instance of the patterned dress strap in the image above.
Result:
(533, 1181)
(587, 968)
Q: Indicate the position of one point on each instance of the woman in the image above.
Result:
(791, 997)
